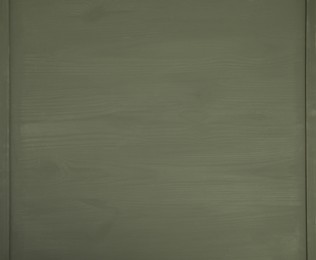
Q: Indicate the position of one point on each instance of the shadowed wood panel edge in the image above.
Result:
(4, 132)
(311, 128)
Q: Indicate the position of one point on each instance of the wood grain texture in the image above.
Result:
(158, 130)
(4, 131)
(311, 127)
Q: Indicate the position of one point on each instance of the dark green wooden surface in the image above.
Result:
(158, 130)
(311, 128)
(4, 130)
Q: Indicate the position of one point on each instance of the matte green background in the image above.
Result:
(161, 130)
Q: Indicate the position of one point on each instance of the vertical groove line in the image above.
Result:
(9, 131)
(306, 131)
(309, 189)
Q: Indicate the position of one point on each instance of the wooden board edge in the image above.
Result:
(310, 129)
(4, 131)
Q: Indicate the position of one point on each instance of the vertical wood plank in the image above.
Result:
(157, 130)
(4, 130)
(310, 127)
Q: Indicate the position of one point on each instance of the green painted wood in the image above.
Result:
(4, 131)
(158, 130)
(310, 128)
